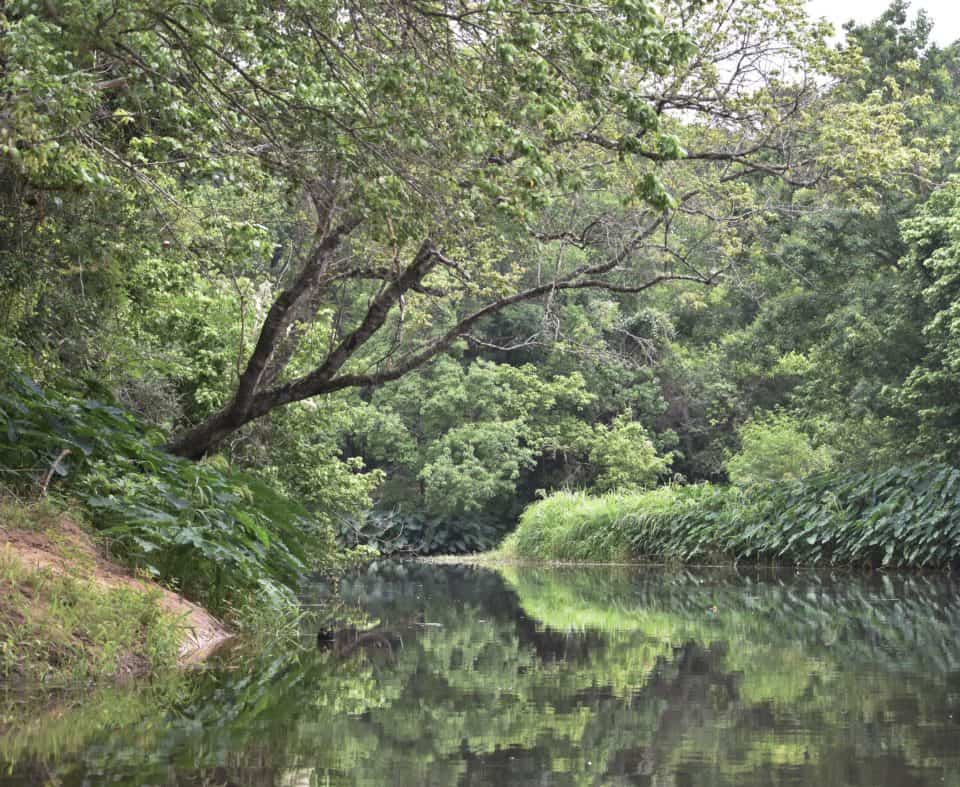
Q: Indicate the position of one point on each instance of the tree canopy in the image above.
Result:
(447, 255)
(397, 174)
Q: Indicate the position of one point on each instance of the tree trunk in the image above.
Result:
(203, 439)
(250, 400)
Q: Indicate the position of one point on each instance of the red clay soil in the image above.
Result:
(67, 549)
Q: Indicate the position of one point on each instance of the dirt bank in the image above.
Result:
(46, 559)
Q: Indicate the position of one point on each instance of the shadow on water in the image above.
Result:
(455, 675)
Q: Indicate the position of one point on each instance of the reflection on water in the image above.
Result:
(455, 675)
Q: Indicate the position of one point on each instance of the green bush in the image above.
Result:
(218, 535)
(902, 517)
(774, 448)
(572, 526)
(626, 457)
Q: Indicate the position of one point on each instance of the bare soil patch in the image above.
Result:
(67, 549)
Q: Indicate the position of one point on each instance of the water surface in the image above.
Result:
(453, 675)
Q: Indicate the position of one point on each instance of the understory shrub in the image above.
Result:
(903, 517)
(774, 448)
(218, 535)
(626, 457)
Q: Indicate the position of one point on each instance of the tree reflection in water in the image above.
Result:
(556, 677)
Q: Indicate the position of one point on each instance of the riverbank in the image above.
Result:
(68, 613)
(903, 517)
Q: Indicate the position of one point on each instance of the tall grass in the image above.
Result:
(904, 517)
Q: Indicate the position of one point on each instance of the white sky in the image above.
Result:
(944, 13)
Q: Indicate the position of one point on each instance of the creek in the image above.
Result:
(460, 675)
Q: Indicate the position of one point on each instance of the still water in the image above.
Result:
(453, 675)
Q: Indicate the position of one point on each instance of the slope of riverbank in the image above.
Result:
(69, 613)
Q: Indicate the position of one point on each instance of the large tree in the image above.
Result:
(428, 163)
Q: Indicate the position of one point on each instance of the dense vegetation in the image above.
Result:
(905, 516)
(277, 281)
(218, 535)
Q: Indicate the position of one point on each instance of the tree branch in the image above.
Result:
(281, 313)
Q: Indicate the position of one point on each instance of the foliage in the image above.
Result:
(903, 517)
(473, 464)
(928, 397)
(352, 195)
(410, 258)
(298, 454)
(398, 533)
(829, 320)
(217, 534)
(468, 440)
(626, 456)
(569, 526)
(774, 448)
(462, 440)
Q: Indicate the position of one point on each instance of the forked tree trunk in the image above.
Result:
(251, 400)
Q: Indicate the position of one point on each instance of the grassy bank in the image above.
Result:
(902, 517)
(67, 615)
(56, 629)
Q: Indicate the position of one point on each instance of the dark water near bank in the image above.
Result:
(459, 676)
